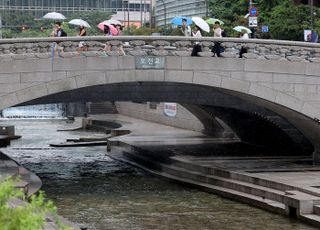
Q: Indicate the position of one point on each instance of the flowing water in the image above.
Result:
(99, 193)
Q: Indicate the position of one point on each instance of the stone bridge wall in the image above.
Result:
(282, 76)
(162, 46)
(184, 118)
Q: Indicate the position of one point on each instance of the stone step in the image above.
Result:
(312, 219)
(256, 201)
(316, 209)
(259, 196)
(256, 190)
(244, 177)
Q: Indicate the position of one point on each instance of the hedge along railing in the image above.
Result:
(161, 46)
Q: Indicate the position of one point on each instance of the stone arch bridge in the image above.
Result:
(274, 90)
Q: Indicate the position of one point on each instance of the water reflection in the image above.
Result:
(93, 190)
(38, 111)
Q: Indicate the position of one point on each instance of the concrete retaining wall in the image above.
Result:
(184, 118)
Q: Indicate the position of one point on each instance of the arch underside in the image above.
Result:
(273, 128)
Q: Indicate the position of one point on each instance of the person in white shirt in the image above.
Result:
(196, 48)
(244, 34)
(243, 50)
(217, 33)
(186, 30)
(197, 32)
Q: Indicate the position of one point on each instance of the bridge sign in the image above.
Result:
(149, 62)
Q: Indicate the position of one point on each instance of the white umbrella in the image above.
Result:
(201, 23)
(79, 22)
(214, 20)
(240, 28)
(54, 16)
(114, 22)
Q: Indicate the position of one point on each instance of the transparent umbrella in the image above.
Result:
(54, 16)
(201, 23)
(241, 28)
(114, 22)
(213, 21)
(79, 22)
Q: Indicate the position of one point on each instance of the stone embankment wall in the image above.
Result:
(155, 113)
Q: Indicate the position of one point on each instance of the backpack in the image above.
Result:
(63, 34)
(223, 33)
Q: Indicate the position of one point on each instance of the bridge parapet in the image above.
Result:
(162, 46)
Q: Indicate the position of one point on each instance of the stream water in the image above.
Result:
(97, 192)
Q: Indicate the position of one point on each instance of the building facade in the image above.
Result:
(40, 7)
(165, 10)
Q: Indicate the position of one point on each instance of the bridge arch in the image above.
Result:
(286, 85)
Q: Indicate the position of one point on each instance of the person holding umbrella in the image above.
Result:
(107, 33)
(57, 32)
(82, 32)
(217, 33)
(184, 24)
(196, 48)
(108, 30)
(244, 34)
(82, 45)
(200, 24)
(119, 28)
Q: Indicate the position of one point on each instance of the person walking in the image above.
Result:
(243, 35)
(82, 45)
(57, 32)
(119, 28)
(217, 33)
(196, 48)
(107, 33)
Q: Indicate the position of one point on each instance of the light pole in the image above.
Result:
(311, 14)
(207, 8)
(141, 22)
(144, 11)
(165, 15)
(128, 13)
(0, 27)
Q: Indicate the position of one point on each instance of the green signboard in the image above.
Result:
(149, 62)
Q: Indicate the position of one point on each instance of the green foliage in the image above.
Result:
(26, 26)
(285, 19)
(133, 30)
(28, 217)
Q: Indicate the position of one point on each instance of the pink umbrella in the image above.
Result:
(112, 29)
